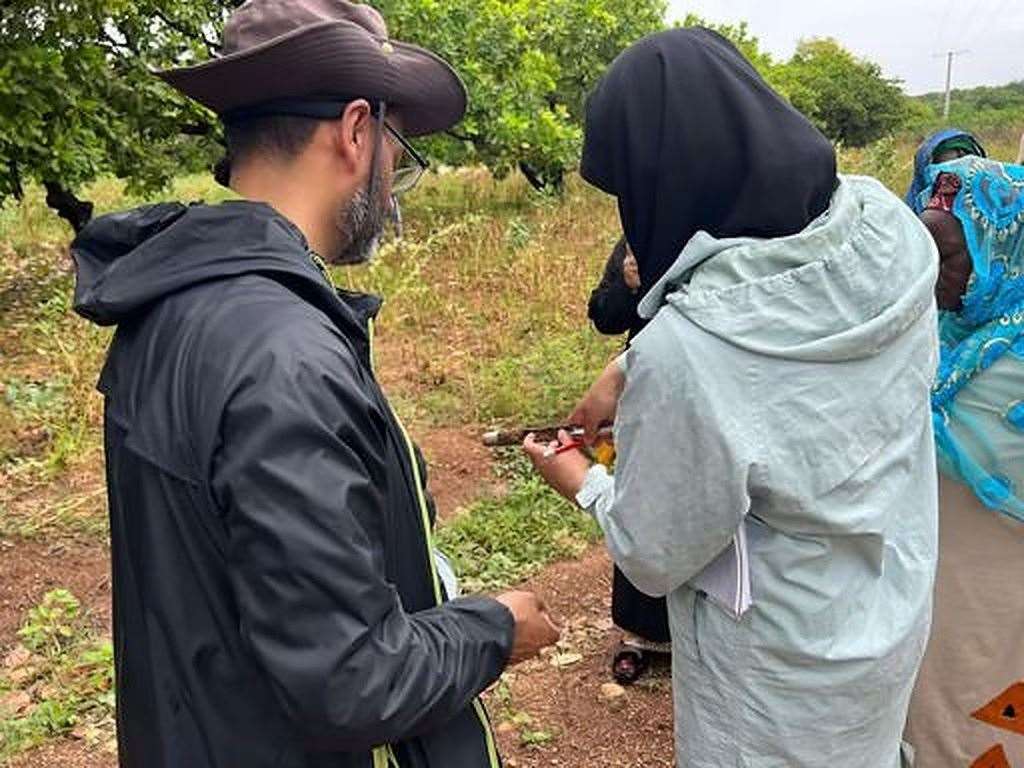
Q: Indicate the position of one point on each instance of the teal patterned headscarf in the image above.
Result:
(978, 400)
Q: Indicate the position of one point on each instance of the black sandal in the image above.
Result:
(629, 664)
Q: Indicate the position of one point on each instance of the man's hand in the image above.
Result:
(598, 406)
(564, 472)
(534, 628)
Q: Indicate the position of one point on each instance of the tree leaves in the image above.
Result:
(78, 100)
(528, 65)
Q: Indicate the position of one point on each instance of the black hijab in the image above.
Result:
(688, 137)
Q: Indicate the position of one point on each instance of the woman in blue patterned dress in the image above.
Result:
(966, 710)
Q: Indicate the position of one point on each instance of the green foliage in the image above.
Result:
(497, 542)
(847, 98)
(64, 678)
(502, 706)
(993, 110)
(32, 400)
(51, 624)
(47, 408)
(965, 102)
(77, 99)
(47, 720)
(528, 65)
(881, 160)
(535, 737)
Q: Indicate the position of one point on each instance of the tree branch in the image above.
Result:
(192, 34)
(196, 129)
(75, 212)
(474, 140)
(17, 188)
(539, 182)
(118, 46)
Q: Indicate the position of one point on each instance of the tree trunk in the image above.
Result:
(539, 182)
(75, 212)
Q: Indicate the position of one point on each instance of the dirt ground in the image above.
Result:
(588, 729)
(579, 725)
(459, 467)
(32, 568)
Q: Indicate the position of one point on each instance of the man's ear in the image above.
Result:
(354, 135)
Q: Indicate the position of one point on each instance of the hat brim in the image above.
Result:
(330, 59)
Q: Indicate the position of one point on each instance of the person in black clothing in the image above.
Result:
(277, 600)
(643, 619)
(613, 303)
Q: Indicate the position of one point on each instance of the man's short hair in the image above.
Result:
(282, 137)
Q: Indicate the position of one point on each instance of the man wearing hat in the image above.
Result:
(277, 600)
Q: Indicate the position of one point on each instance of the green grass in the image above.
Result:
(499, 541)
(64, 679)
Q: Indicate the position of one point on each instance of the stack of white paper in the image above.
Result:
(726, 579)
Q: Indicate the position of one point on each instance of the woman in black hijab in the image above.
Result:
(776, 469)
(687, 136)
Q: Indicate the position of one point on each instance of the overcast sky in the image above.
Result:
(901, 35)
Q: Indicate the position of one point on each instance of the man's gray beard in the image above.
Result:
(361, 225)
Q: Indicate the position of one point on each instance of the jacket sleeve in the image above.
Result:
(682, 473)
(299, 477)
(613, 306)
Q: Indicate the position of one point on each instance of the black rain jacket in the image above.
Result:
(275, 596)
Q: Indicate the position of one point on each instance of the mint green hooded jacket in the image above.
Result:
(783, 386)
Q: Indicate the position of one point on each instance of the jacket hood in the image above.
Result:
(126, 261)
(843, 289)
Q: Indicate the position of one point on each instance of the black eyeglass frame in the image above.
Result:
(399, 185)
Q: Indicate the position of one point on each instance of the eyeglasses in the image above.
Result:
(414, 165)
(406, 176)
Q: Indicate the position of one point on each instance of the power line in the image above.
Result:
(941, 36)
(976, 23)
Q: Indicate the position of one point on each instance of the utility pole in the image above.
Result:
(950, 55)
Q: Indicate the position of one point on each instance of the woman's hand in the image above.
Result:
(565, 472)
(599, 405)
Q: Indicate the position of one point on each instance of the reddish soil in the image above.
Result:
(66, 754)
(31, 568)
(587, 729)
(459, 467)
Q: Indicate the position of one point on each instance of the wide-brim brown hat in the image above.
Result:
(275, 50)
